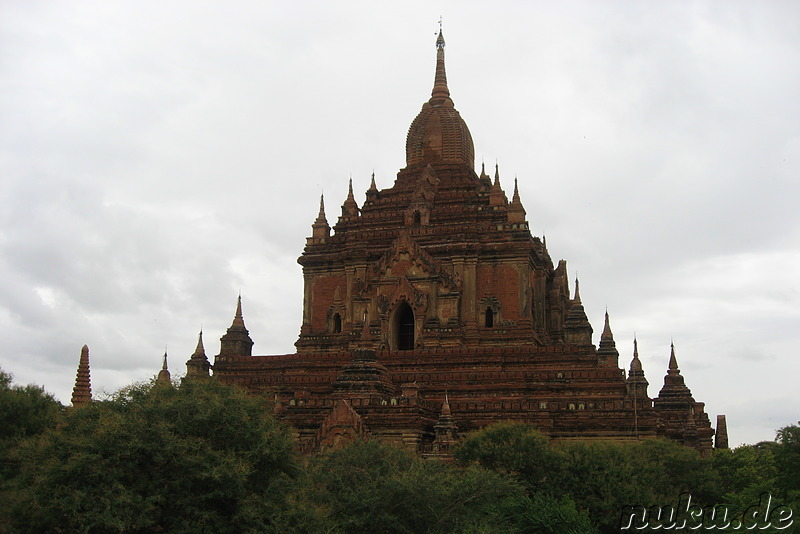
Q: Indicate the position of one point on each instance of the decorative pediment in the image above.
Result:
(417, 262)
(405, 291)
(343, 425)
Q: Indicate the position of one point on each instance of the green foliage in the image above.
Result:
(745, 473)
(24, 411)
(515, 449)
(154, 458)
(600, 477)
(209, 458)
(369, 487)
(787, 459)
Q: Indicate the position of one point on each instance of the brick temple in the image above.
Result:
(431, 310)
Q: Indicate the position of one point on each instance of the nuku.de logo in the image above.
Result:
(760, 516)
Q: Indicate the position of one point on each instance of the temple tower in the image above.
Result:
(82, 392)
(440, 259)
(198, 365)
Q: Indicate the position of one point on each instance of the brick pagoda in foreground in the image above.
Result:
(431, 311)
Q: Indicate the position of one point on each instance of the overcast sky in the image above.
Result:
(156, 158)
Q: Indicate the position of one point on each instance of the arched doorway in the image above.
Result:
(404, 327)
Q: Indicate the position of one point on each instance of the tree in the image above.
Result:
(518, 450)
(202, 457)
(787, 459)
(24, 411)
(370, 487)
(601, 478)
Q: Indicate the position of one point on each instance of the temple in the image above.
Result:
(431, 310)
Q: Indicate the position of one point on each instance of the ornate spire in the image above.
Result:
(440, 91)
(198, 365)
(163, 375)
(236, 341)
(673, 362)
(576, 324)
(320, 230)
(674, 384)
(635, 363)
(607, 334)
(321, 215)
(637, 383)
(607, 349)
(484, 176)
(372, 192)
(238, 320)
(679, 416)
(445, 430)
(82, 392)
(497, 196)
(516, 212)
(438, 134)
(200, 350)
(350, 206)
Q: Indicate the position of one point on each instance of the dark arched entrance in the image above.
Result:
(404, 327)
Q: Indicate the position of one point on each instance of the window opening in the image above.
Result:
(404, 317)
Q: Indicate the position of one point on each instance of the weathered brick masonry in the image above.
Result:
(431, 310)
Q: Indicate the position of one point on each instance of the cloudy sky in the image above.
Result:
(156, 158)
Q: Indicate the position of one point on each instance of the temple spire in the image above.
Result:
(236, 341)
(440, 91)
(607, 334)
(163, 375)
(673, 362)
(321, 215)
(198, 365)
(200, 350)
(82, 392)
(497, 196)
(516, 212)
(350, 206)
(674, 383)
(576, 324)
(607, 353)
(320, 230)
(636, 363)
(637, 383)
(445, 430)
(238, 319)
